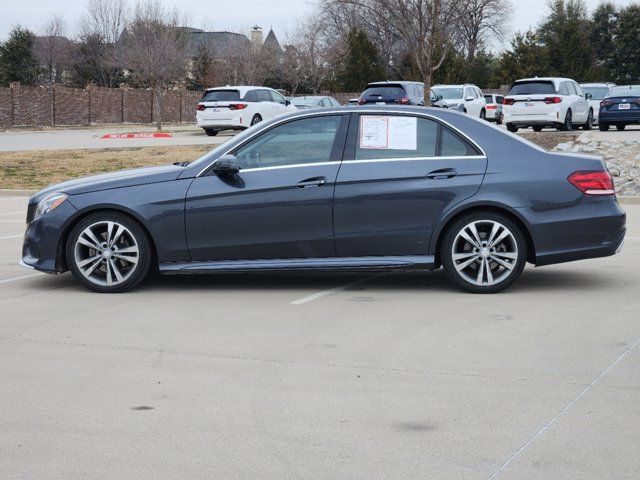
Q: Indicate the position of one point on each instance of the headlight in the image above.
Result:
(49, 203)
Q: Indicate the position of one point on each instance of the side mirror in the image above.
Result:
(226, 165)
(588, 96)
(287, 102)
(439, 97)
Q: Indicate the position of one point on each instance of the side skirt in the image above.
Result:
(425, 262)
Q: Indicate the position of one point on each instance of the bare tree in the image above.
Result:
(485, 22)
(425, 29)
(52, 49)
(100, 28)
(154, 48)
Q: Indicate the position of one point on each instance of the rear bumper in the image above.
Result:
(619, 117)
(549, 118)
(228, 123)
(591, 227)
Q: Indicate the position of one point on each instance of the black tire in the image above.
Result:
(512, 128)
(134, 274)
(256, 119)
(589, 124)
(621, 126)
(537, 128)
(211, 132)
(483, 114)
(603, 127)
(568, 122)
(506, 277)
(500, 118)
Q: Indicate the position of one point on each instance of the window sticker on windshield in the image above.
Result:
(388, 133)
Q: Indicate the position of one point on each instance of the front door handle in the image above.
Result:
(312, 182)
(442, 174)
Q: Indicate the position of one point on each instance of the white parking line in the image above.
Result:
(563, 411)
(10, 213)
(22, 277)
(332, 291)
(11, 236)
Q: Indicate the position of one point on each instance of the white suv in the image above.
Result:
(598, 91)
(465, 98)
(237, 108)
(547, 102)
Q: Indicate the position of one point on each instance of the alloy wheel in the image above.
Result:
(484, 252)
(106, 253)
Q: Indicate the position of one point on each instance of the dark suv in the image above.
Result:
(393, 93)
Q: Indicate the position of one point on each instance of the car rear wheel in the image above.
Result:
(589, 124)
(483, 114)
(537, 128)
(483, 252)
(603, 127)
(211, 132)
(512, 128)
(256, 119)
(568, 122)
(621, 126)
(500, 118)
(108, 252)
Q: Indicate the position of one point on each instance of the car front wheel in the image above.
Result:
(512, 128)
(108, 252)
(483, 252)
(589, 124)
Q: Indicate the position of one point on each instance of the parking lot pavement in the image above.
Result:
(70, 139)
(321, 376)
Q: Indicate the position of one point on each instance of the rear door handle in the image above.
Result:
(312, 182)
(442, 174)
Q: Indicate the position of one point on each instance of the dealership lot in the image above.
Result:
(321, 376)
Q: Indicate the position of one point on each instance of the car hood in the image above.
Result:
(120, 179)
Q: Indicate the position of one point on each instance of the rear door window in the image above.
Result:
(263, 96)
(534, 87)
(221, 96)
(250, 96)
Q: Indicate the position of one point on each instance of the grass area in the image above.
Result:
(37, 169)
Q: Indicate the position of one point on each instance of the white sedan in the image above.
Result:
(237, 108)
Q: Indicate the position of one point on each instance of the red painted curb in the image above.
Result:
(118, 136)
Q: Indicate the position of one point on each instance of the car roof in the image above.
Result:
(455, 85)
(598, 84)
(545, 79)
(398, 82)
(241, 88)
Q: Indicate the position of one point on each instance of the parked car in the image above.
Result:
(547, 102)
(436, 101)
(494, 107)
(237, 108)
(465, 98)
(620, 107)
(393, 93)
(314, 102)
(352, 102)
(597, 91)
(373, 188)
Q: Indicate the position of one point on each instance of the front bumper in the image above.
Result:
(42, 243)
(591, 227)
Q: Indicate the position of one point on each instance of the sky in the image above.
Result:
(236, 15)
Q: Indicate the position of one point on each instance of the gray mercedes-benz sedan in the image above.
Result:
(364, 188)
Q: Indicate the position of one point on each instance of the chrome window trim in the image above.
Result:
(348, 112)
(295, 165)
(412, 159)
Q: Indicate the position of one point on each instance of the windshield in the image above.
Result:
(221, 96)
(448, 93)
(597, 93)
(630, 91)
(532, 88)
(305, 101)
(390, 91)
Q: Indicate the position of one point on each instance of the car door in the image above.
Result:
(399, 173)
(279, 103)
(265, 106)
(469, 103)
(482, 103)
(280, 203)
(582, 104)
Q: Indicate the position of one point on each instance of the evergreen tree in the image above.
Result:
(526, 58)
(627, 39)
(362, 62)
(565, 35)
(17, 61)
(602, 37)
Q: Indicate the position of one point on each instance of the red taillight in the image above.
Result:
(361, 101)
(550, 100)
(200, 107)
(402, 101)
(606, 103)
(238, 106)
(508, 101)
(593, 183)
(492, 107)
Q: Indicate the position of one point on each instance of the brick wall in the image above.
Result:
(45, 106)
